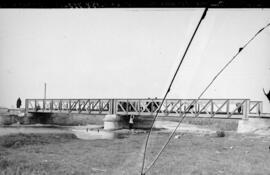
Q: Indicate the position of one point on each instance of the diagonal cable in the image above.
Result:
(169, 88)
(195, 101)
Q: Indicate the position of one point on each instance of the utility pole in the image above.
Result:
(45, 91)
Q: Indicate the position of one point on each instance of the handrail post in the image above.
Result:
(60, 105)
(69, 105)
(260, 108)
(139, 106)
(180, 106)
(79, 107)
(42, 107)
(35, 104)
(26, 105)
(127, 106)
(112, 107)
(115, 106)
(212, 107)
(228, 108)
(195, 107)
(51, 105)
(245, 109)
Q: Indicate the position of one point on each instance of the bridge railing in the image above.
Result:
(255, 107)
(225, 108)
(91, 106)
(175, 107)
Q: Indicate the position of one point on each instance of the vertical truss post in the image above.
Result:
(152, 106)
(43, 106)
(69, 105)
(127, 106)
(180, 103)
(35, 104)
(260, 108)
(195, 107)
(166, 112)
(245, 109)
(111, 106)
(89, 107)
(139, 106)
(26, 105)
(115, 106)
(228, 108)
(51, 105)
(100, 106)
(79, 109)
(60, 105)
(212, 107)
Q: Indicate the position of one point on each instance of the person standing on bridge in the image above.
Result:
(19, 103)
(131, 122)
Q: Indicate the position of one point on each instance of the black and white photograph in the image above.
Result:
(119, 88)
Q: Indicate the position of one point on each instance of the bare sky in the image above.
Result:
(131, 53)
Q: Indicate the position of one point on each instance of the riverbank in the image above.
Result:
(190, 154)
(70, 119)
(63, 119)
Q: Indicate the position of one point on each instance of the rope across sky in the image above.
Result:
(169, 88)
(195, 101)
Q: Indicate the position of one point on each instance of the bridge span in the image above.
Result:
(218, 108)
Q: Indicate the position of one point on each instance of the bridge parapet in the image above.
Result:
(91, 106)
(225, 108)
(175, 107)
(255, 107)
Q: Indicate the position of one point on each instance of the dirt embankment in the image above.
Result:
(190, 154)
(209, 123)
(19, 140)
(64, 119)
(10, 116)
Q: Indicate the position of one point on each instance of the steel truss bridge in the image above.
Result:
(223, 108)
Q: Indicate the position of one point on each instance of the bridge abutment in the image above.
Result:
(252, 125)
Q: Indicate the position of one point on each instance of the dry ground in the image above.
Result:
(191, 154)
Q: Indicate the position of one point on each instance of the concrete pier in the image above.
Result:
(113, 122)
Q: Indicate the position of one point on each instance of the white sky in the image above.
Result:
(131, 53)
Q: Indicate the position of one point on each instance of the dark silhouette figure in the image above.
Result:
(239, 107)
(37, 107)
(267, 95)
(190, 107)
(19, 103)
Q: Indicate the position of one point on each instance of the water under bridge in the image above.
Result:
(218, 108)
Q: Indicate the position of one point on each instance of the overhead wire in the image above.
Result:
(169, 88)
(195, 101)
